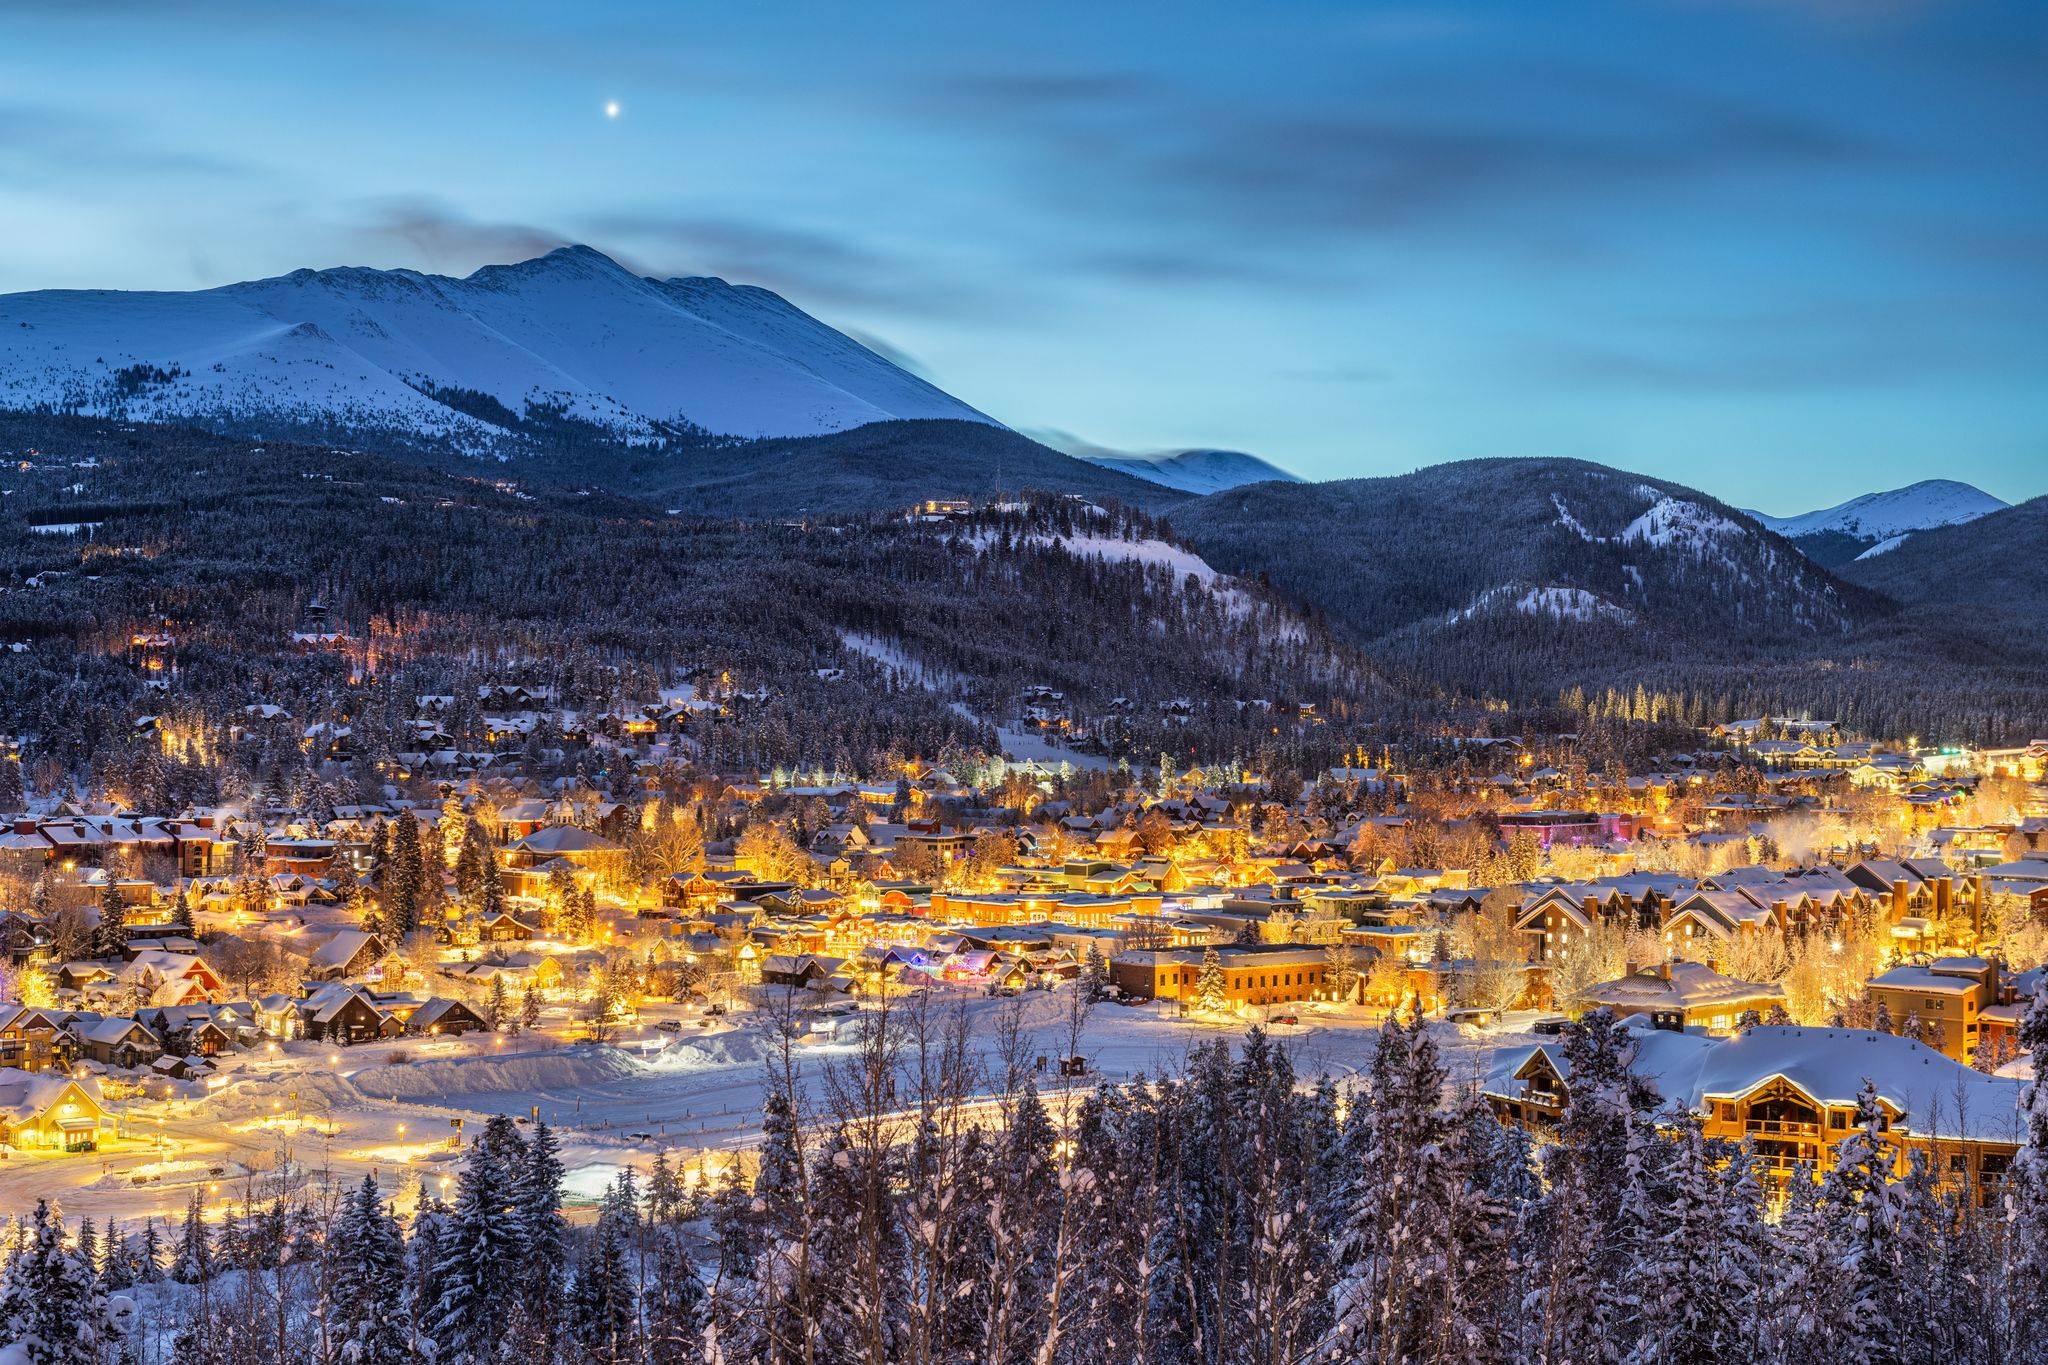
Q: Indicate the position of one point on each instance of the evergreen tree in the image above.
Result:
(537, 1200)
(1095, 974)
(604, 1302)
(149, 1254)
(405, 883)
(1862, 1226)
(1211, 996)
(370, 1319)
(2026, 1196)
(674, 1306)
(51, 1306)
(482, 1250)
(110, 935)
(181, 912)
(193, 1261)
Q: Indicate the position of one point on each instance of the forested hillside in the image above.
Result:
(1539, 579)
(437, 583)
(885, 466)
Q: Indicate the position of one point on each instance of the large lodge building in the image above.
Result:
(1792, 1093)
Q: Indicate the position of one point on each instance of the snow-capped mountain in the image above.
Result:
(1878, 522)
(571, 334)
(1194, 471)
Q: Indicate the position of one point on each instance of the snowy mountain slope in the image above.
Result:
(1877, 522)
(1931, 502)
(569, 334)
(1558, 540)
(1194, 471)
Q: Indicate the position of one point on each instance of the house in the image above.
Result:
(1683, 995)
(350, 953)
(1947, 997)
(1791, 1092)
(445, 1015)
(34, 1039)
(119, 1042)
(346, 1014)
(51, 1111)
(587, 851)
(804, 970)
(505, 927)
(1253, 974)
(171, 979)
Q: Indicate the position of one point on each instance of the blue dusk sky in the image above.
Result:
(1783, 250)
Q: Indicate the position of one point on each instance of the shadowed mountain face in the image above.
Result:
(1556, 540)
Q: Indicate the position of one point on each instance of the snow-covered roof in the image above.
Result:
(1688, 986)
(1933, 1095)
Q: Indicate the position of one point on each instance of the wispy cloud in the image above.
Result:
(436, 237)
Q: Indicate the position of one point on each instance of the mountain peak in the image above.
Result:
(464, 362)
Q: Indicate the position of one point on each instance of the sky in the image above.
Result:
(1786, 251)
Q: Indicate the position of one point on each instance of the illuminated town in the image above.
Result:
(914, 684)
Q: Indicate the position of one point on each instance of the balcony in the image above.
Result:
(1809, 1132)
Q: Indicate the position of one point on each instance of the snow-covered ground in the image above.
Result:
(696, 1095)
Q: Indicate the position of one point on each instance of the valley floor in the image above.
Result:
(696, 1095)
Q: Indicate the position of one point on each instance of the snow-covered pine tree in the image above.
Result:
(1210, 995)
(110, 935)
(52, 1310)
(1802, 1289)
(537, 1201)
(2026, 1199)
(1095, 974)
(1865, 1237)
(149, 1254)
(1371, 1152)
(1582, 1296)
(1742, 1246)
(192, 1262)
(1687, 1303)
(603, 1299)
(369, 1321)
(117, 1260)
(674, 1302)
(482, 1250)
(423, 1280)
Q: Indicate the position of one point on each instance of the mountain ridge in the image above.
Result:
(1197, 470)
(1472, 556)
(568, 336)
(1876, 523)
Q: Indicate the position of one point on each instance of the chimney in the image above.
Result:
(1944, 896)
(1664, 970)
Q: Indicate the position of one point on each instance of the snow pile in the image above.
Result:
(735, 1047)
(525, 1073)
(461, 359)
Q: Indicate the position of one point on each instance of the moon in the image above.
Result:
(611, 108)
